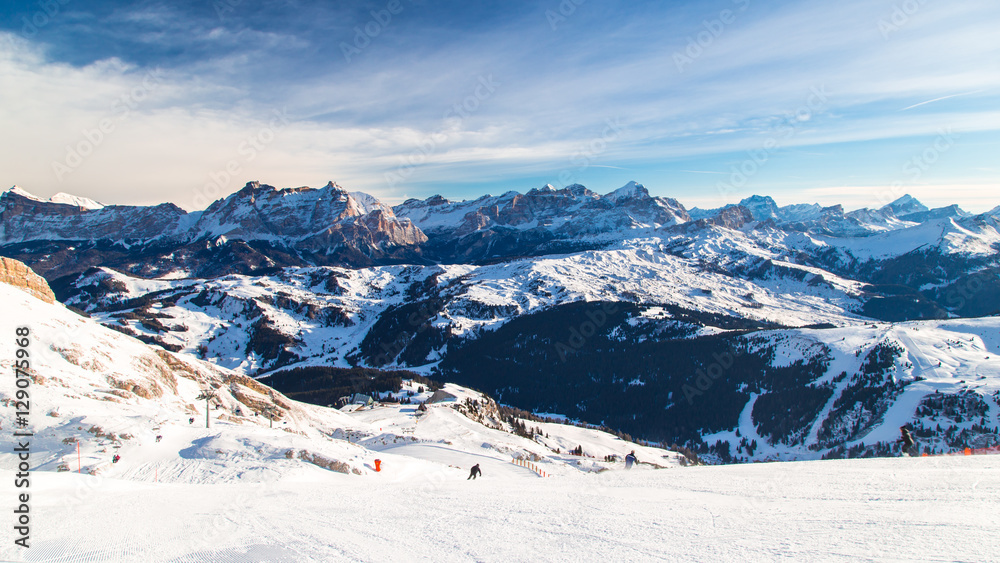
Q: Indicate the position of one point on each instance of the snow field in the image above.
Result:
(926, 509)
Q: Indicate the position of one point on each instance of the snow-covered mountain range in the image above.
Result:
(606, 308)
(262, 227)
(541, 221)
(834, 221)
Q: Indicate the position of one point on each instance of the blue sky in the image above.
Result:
(854, 102)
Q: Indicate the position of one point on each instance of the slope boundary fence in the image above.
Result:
(528, 465)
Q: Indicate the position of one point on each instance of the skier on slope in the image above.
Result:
(475, 472)
(905, 439)
(630, 459)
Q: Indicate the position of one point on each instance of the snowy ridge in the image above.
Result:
(60, 198)
(834, 221)
(956, 361)
(569, 212)
(475, 298)
(67, 199)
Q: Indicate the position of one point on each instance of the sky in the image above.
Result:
(855, 102)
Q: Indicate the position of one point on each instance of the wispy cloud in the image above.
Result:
(939, 99)
(416, 80)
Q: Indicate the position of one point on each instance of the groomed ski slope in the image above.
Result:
(912, 509)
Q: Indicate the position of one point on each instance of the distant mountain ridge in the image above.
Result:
(834, 221)
(544, 220)
(257, 227)
(260, 228)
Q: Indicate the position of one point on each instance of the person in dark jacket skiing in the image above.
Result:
(630, 459)
(475, 472)
(905, 439)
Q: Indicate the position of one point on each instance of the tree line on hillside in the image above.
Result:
(670, 391)
(324, 385)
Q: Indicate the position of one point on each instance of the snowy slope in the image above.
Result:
(229, 493)
(943, 234)
(336, 317)
(930, 509)
(112, 394)
(955, 361)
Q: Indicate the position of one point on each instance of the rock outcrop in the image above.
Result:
(20, 275)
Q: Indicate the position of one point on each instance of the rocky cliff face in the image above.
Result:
(257, 228)
(316, 220)
(25, 218)
(541, 221)
(20, 275)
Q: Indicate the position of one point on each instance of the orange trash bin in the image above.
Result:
(378, 465)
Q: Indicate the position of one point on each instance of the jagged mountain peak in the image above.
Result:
(251, 189)
(337, 227)
(759, 199)
(762, 207)
(255, 190)
(579, 190)
(631, 190)
(263, 212)
(905, 205)
(328, 224)
(19, 191)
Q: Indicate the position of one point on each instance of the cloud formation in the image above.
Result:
(405, 98)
